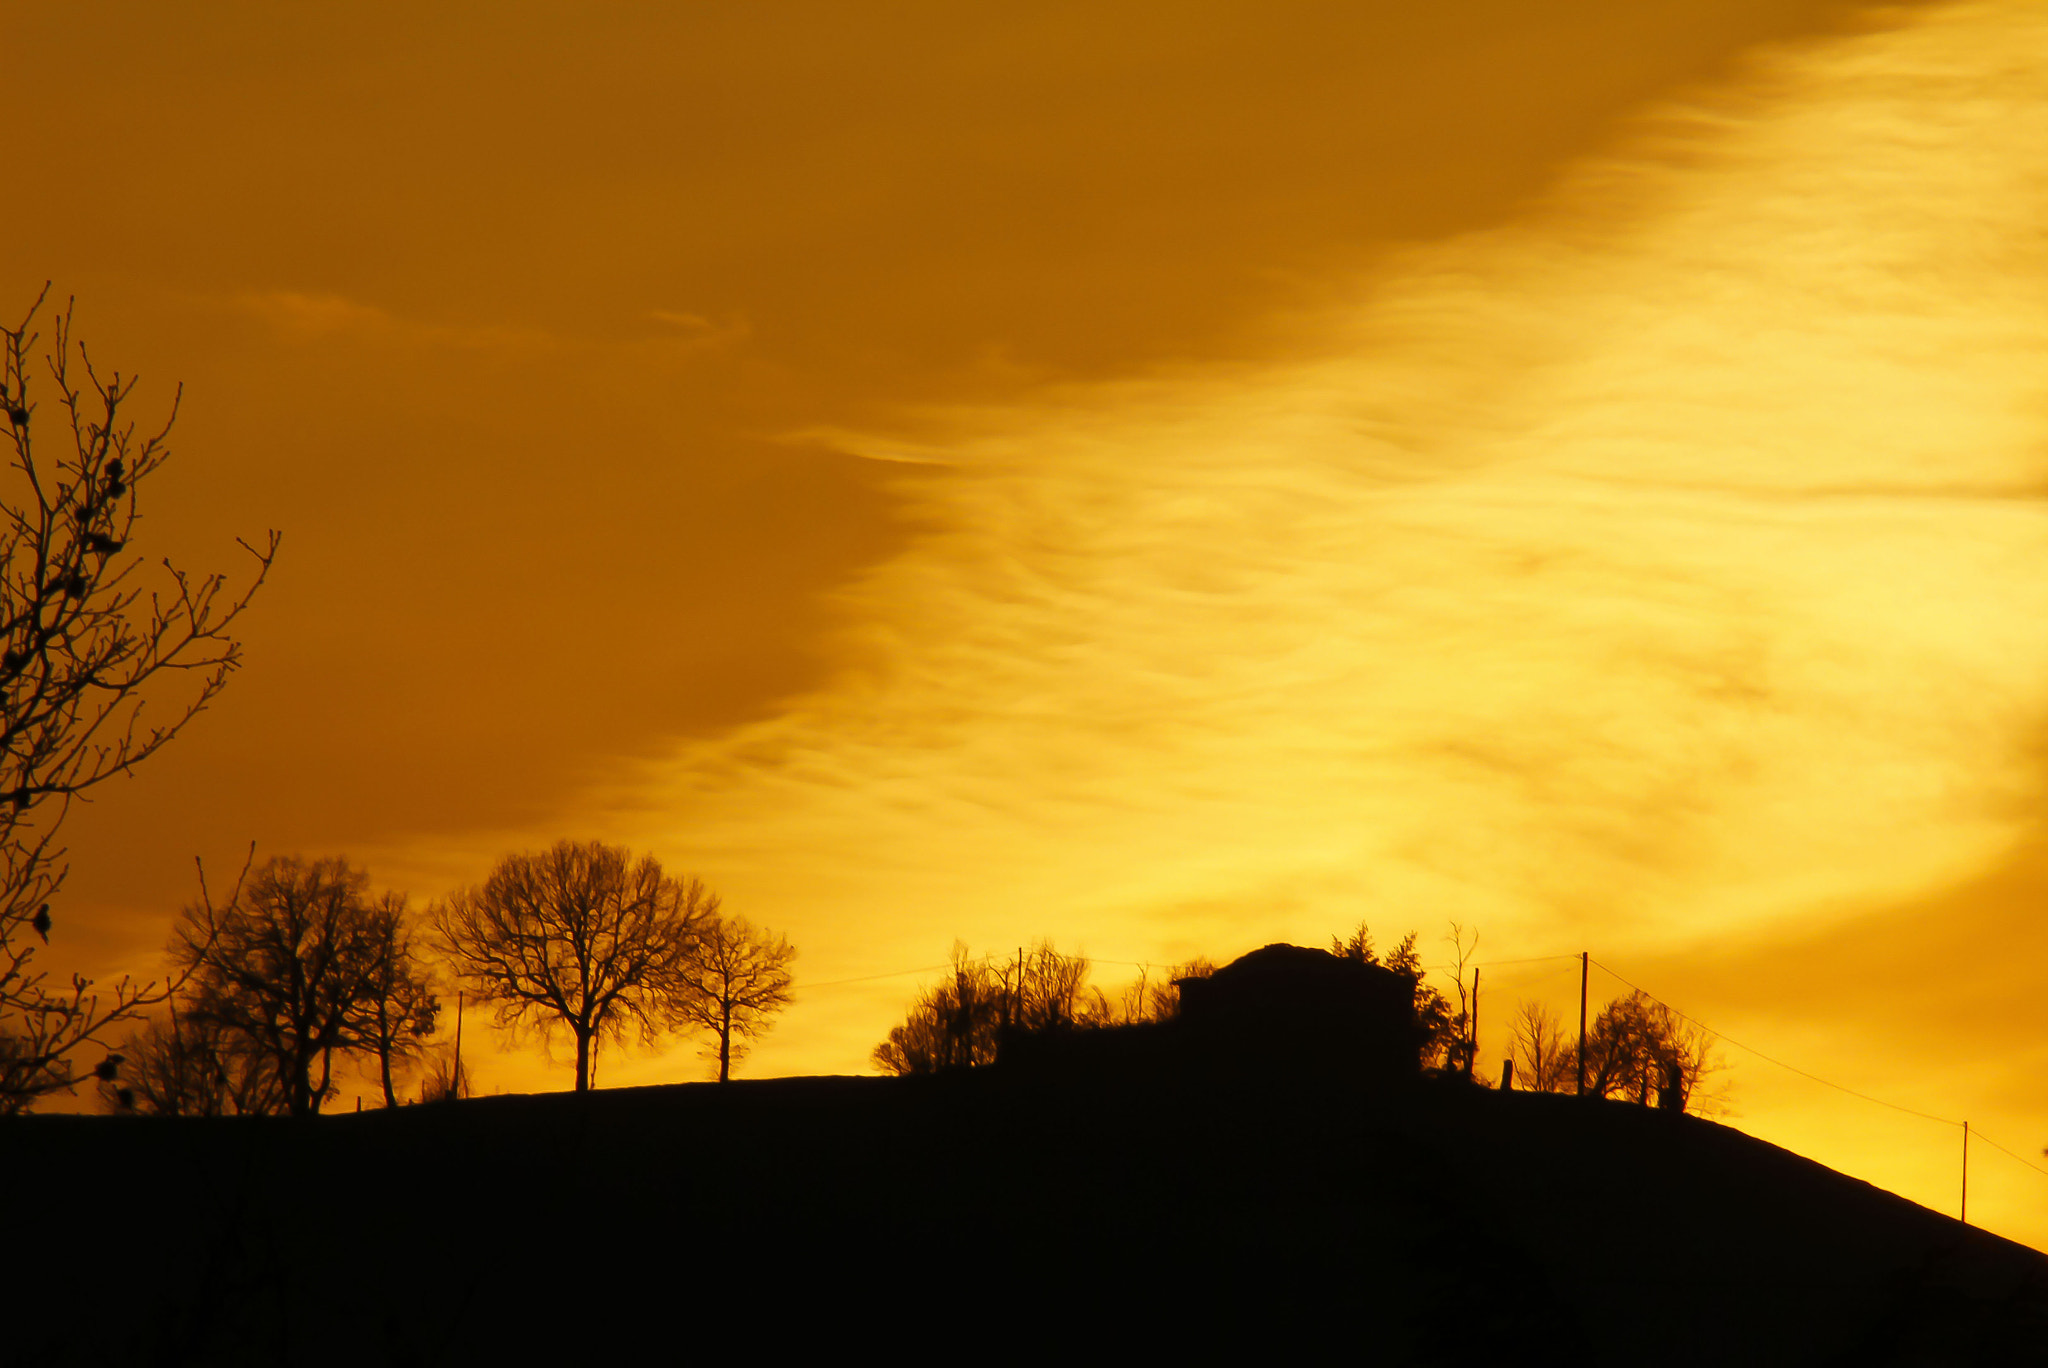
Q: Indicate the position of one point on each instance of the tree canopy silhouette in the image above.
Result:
(305, 966)
(88, 637)
(1443, 1032)
(1545, 1061)
(187, 1066)
(954, 1024)
(1635, 1048)
(1151, 997)
(1638, 1048)
(960, 1021)
(734, 983)
(579, 938)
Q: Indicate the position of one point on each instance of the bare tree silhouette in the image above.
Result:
(1636, 1048)
(1461, 1049)
(303, 967)
(1163, 998)
(1040, 990)
(447, 1077)
(579, 938)
(955, 1024)
(1544, 1060)
(960, 1022)
(1152, 996)
(1639, 1048)
(186, 1066)
(733, 984)
(85, 643)
(404, 1006)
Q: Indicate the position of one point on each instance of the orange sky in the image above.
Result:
(1169, 478)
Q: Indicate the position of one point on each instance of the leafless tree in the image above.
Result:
(1163, 997)
(1544, 1060)
(580, 938)
(299, 970)
(1637, 1046)
(960, 1022)
(182, 1066)
(1462, 1048)
(1152, 996)
(447, 1077)
(1040, 990)
(404, 1006)
(733, 984)
(955, 1024)
(89, 636)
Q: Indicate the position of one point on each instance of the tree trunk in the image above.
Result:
(582, 1058)
(384, 1048)
(725, 1043)
(299, 1084)
(326, 1078)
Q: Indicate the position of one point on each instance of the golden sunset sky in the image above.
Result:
(1166, 478)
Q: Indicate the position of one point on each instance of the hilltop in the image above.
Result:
(989, 1214)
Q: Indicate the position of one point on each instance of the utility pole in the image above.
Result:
(455, 1082)
(1583, 961)
(1966, 1173)
(1472, 1053)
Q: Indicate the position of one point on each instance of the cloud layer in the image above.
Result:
(1665, 563)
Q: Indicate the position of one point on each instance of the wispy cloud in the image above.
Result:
(300, 316)
(697, 331)
(1665, 562)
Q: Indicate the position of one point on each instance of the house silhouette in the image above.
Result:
(1288, 1007)
(1281, 1010)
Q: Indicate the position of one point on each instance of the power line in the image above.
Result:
(870, 978)
(1980, 1135)
(1147, 966)
(984, 959)
(991, 957)
(1827, 1082)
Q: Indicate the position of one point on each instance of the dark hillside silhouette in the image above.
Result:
(1287, 1216)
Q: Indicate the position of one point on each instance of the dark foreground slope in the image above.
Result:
(984, 1218)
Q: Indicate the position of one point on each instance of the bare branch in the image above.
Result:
(95, 677)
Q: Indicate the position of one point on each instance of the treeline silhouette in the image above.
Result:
(302, 975)
(1635, 1047)
(962, 1021)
